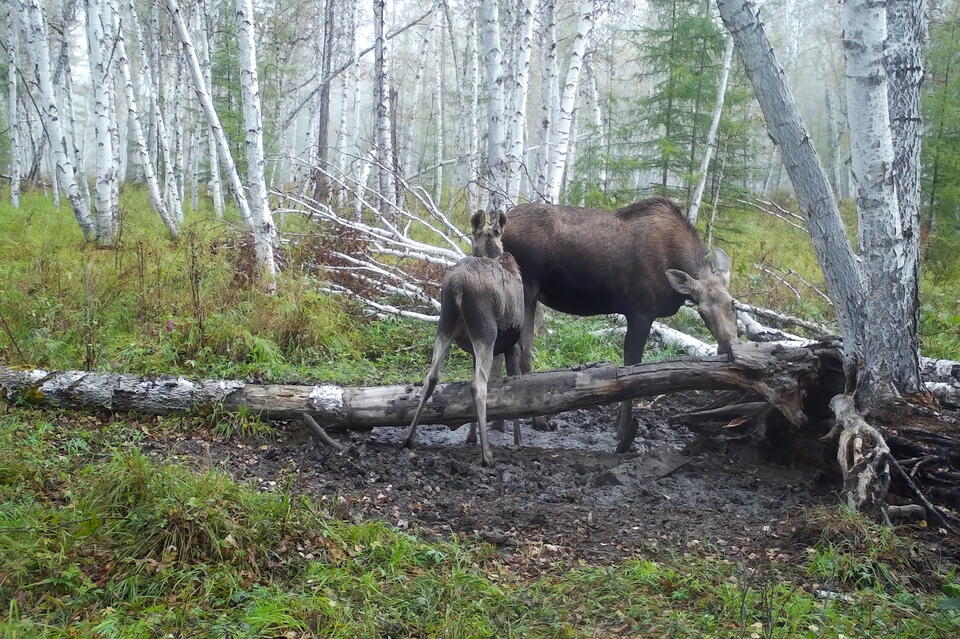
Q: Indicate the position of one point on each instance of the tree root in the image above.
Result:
(869, 469)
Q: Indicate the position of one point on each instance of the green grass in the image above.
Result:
(96, 540)
(751, 238)
(155, 306)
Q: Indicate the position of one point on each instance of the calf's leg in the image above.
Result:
(441, 346)
(498, 365)
(482, 363)
(513, 368)
(526, 348)
(638, 329)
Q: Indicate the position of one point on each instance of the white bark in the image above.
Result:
(800, 158)
(40, 57)
(438, 107)
(560, 137)
(146, 160)
(384, 143)
(496, 170)
(223, 146)
(473, 150)
(409, 138)
(549, 97)
(712, 133)
(264, 232)
(11, 21)
(887, 251)
(216, 188)
(518, 102)
(100, 42)
(906, 24)
(148, 79)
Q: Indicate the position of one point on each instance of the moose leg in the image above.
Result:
(441, 346)
(513, 368)
(498, 365)
(638, 329)
(482, 363)
(526, 348)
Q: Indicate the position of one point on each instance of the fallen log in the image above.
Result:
(781, 376)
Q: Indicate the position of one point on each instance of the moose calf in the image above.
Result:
(481, 308)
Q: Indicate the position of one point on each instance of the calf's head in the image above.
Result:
(488, 238)
(708, 289)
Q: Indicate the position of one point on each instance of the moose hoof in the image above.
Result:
(471, 438)
(543, 425)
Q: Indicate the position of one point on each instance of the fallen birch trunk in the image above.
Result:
(781, 376)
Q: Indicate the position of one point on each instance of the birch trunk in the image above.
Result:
(323, 124)
(561, 133)
(712, 133)
(833, 141)
(518, 107)
(73, 138)
(887, 249)
(387, 191)
(143, 151)
(496, 169)
(264, 232)
(906, 34)
(800, 158)
(100, 41)
(216, 189)
(549, 97)
(473, 162)
(438, 108)
(409, 138)
(40, 55)
(223, 146)
(11, 22)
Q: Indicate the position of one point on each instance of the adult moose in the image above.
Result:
(642, 261)
(481, 308)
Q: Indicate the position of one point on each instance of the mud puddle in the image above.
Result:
(565, 488)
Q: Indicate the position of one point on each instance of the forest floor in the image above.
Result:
(566, 488)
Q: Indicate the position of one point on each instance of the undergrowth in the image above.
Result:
(98, 540)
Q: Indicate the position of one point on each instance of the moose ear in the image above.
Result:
(720, 260)
(683, 283)
(476, 221)
(501, 220)
(720, 263)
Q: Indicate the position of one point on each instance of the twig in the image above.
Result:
(13, 340)
(321, 435)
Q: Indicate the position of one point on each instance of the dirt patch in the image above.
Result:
(566, 488)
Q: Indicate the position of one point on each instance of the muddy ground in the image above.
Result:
(565, 488)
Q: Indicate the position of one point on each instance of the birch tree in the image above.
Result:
(889, 241)
(384, 142)
(11, 23)
(496, 166)
(871, 300)
(712, 133)
(100, 43)
(264, 231)
(549, 95)
(906, 33)
(143, 152)
(518, 100)
(37, 45)
(560, 137)
(216, 188)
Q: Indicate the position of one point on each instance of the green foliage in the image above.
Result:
(96, 540)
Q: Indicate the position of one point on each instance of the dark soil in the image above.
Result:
(564, 488)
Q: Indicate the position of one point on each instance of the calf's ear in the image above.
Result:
(476, 221)
(683, 283)
(501, 220)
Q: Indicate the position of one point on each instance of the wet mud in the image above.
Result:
(565, 488)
